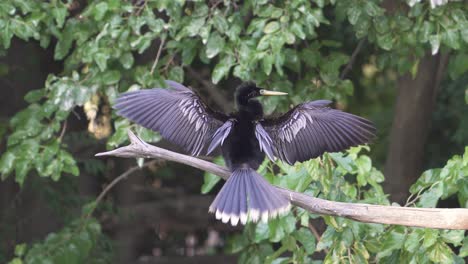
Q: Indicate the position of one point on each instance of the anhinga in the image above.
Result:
(246, 136)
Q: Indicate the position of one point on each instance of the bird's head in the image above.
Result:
(249, 90)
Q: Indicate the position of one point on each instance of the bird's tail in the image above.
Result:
(247, 195)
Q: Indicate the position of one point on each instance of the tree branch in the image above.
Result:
(350, 64)
(408, 216)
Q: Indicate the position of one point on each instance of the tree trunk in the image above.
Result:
(412, 120)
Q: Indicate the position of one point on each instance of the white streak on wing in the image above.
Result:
(225, 217)
(243, 218)
(234, 219)
(254, 215)
(265, 217)
(191, 115)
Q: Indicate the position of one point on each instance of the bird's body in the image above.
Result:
(245, 137)
(241, 147)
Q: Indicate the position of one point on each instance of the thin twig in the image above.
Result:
(121, 177)
(442, 218)
(117, 180)
(316, 234)
(158, 54)
(62, 133)
(350, 64)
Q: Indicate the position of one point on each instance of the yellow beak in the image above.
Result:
(267, 92)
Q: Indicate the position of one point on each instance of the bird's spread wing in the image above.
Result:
(220, 135)
(265, 141)
(177, 113)
(312, 128)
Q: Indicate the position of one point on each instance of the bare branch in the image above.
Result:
(441, 218)
(158, 54)
(350, 64)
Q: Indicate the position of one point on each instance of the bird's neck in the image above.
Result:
(250, 109)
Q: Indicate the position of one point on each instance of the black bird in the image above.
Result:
(246, 136)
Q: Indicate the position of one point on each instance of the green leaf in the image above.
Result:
(289, 37)
(100, 10)
(451, 38)
(458, 65)
(220, 23)
(466, 96)
(326, 239)
(267, 63)
(353, 14)
(59, 13)
(177, 74)
(412, 242)
(307, 239)
(189, 52)
(120, 135)
(441, 253)
(391, 241)
(222, 68)
(64, 43)
(110, 77)
(101, 60)
(6, 164)
(430, 237)
(289, 223)
(464, 249)
(464, 34)
(343, 162)
(16, 261)
(296, 28)
(237, 243)
(34, 95)
(127, 60)
(209, 181)
(276, 230)
(430, 198)
(271, 27)
(453, 237)
(6, 35)
(264, 43)
(22, 167)
(385, 41)
(215, 45)
(20, 249)
(425, 31)
(262, 232)
(372, 9)
(195, 25)
(88, 208)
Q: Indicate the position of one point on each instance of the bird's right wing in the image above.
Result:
(312, 128)
(177, 113)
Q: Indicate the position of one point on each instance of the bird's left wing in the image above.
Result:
(177, 113)
(312, 128)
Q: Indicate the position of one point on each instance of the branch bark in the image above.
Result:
(441, 218)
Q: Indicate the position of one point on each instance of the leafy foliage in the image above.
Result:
(72, 244)
(300, 47)
(337, 177)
